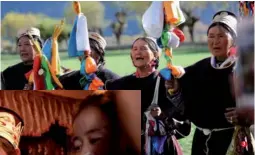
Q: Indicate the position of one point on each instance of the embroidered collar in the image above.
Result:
(227, 63)
(154, 73)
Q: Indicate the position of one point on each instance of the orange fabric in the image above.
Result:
(91, 66)
(169, 52)
(40, 110)
(77, 7)
(174, 70)
(53, 75)
(54, 58)
(27, 75)
(96, 83)
(170, 12)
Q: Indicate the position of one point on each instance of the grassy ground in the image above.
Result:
(119, 62)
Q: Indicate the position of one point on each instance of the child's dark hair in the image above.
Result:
(103, 100)
(153, 47)
(36, 38)
(98, 49)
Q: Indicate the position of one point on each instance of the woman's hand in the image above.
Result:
(172, 85)
(245, 115)
(231, 115)
(240, 116)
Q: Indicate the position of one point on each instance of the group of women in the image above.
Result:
(203, 96)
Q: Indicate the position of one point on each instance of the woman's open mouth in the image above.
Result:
(216, 48)
(24, 54)
(139, 58)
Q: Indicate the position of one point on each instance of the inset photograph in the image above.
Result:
(70, 122)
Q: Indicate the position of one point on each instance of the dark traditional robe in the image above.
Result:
(13, 78)
(70, 81)
(207, 92)
(147, 87)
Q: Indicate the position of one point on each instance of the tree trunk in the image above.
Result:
(118, 35)
(67, 42)
(191, 28)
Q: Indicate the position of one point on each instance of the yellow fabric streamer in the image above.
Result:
(36, 46)
(55, 79)
(31, 78)
(55, 55)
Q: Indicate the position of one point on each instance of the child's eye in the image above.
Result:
(95, 140)
(76, 145)
(76, 149)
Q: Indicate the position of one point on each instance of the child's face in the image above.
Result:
(91, 133)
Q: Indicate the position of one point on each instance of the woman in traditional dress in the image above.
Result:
(13, 78)
(70, 80)
(145, 57)
(206, 90)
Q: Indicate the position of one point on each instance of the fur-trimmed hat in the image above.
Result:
(32, 30)
(227, 18)
(97, 37)
(11, 126)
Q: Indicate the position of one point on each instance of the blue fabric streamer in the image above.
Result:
(86, 80)
(86, 87)
(82, 69)
(47, 48)
(165, 73)
(72, 48)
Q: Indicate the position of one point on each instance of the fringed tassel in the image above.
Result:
(242, 142)
(177, 145)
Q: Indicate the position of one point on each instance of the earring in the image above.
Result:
(232, 51)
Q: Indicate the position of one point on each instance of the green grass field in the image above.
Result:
(119, 62)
